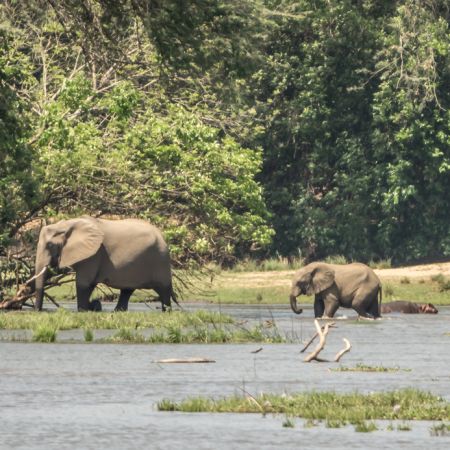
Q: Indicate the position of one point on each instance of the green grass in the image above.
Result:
(264, 295)
(415, 291)
(365, 427)
(288, 422)
(365, 368)
(381, 264)
(176, 327)
(44, 333)
(336, 259)
(88, 335)
(270, 264)
(442, 429)
(273, 288)
(406, 404)
(127, 335)
(67, 320)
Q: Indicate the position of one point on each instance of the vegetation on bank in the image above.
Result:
(176, 327)
(406, 404)
(272, 287)
(66, 320)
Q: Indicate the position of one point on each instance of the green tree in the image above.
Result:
(411, 129)
(17, 186)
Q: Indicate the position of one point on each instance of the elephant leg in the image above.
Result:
(122, 304)
(331, 305)
(164, 295)
(366, 305)
(330, 308)
(360, 308)
(374, 308)
(83, 296)
(95, 305)
(319, 306)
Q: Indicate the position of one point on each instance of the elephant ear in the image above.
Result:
(322, 278)
(82, 240)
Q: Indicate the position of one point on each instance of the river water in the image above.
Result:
(94, 395)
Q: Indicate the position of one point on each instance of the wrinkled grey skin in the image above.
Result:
(350, 286)
(123, 254)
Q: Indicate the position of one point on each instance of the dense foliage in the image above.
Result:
(306, 127)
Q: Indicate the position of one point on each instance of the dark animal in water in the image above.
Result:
(408, 308)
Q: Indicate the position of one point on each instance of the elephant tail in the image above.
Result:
(174, 296)
(380, 298)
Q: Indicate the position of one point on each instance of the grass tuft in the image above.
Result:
(381, 264)
(88, 335)
(365, 427)
(288, 422)
(388, 290)
(127, 335)
(336, 259)
(406, 404)
(364, 368)
(44, 333)
(439, 278)
(442, 429)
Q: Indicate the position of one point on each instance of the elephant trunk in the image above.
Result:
(295, 308)
(41, 272)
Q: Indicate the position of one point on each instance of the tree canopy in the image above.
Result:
(242, 127)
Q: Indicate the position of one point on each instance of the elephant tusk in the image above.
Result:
(36, 276)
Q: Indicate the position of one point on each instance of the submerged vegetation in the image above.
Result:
(406, 404)
(176, 327)
(364, 368)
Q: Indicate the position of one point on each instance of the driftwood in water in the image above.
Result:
(322, 333)
(184, 360)
(330, 325)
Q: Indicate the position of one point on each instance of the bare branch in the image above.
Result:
(347, 348)
(330, 325)
(322, 339)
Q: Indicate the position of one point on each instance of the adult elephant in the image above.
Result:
(351, 286)
(123, 254)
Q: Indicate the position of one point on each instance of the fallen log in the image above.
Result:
(184, 360)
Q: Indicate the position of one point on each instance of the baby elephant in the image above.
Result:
(350, 286)
(408, 308)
